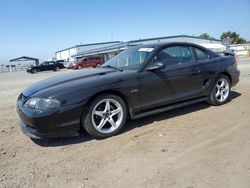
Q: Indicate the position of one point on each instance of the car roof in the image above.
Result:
(163, 44)
(166, 44)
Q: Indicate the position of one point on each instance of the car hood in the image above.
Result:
(73, 78)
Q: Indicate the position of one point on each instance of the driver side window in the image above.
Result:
(175, 55)
(44, 64)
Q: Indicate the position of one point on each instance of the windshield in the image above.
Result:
(130, 59)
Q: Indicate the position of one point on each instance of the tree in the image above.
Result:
(205, 36)
(236, 37)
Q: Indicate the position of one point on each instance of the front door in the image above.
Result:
(44, 66)
(181, 79)
(51, 65)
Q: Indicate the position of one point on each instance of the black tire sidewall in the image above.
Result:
(34, 71)
(87, 119)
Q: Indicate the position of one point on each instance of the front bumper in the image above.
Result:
(33, 133)
(74, 67)
(59, 122)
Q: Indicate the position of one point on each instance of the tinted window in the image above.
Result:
(44, 64)
(51, 63)
(130, 59)
(175, 55)
(201, 54)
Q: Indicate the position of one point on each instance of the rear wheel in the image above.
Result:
(34, 71)
(221, 91)
(79, 67)
(57, 69)
(105, 116)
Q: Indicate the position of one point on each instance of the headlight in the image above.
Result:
(42, 104)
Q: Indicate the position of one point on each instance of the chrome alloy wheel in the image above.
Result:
(222, 90)
(107, 116)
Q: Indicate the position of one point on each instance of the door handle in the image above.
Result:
(197, 72)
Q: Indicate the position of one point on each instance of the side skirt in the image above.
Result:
(168, 107)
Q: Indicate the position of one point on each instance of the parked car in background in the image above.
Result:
(60, 61)
(46, 66)
(138, 82)
(65, 63)
(88, 62)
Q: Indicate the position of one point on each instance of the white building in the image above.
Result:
(68, 53)
(109, 49)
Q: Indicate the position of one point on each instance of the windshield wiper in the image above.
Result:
(116, 68)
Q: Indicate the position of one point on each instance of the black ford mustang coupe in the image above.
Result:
(138, 82)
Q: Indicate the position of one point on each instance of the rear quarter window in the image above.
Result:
(201, 54)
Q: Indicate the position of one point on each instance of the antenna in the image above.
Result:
(112, 37)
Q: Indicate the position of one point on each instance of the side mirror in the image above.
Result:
(156, 66)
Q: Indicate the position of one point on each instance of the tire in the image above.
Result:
(105, 116)
(220, 93)
(34, 71)
(57, 69)
(79, 67)
(98, 65)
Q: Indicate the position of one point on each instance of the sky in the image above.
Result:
(39, 28)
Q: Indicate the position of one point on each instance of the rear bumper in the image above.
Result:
(235, 76)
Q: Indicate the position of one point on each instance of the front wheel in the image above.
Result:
(221, 91)
(57, 69)
(105, 116)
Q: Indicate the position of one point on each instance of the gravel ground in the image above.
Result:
(196, 146)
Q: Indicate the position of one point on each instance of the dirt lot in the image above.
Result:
(196, 146)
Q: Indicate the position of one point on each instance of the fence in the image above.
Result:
(241, 49)
(13, 68)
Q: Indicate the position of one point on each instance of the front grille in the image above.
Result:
(30, 126)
